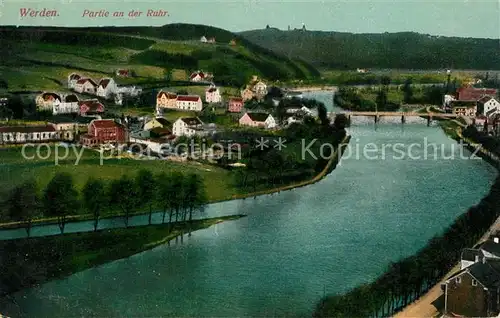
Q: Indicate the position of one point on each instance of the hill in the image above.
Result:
(406, 50)
(37, 58)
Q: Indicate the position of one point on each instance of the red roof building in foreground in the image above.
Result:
(235, 105)
(472, 93)
(103, 131)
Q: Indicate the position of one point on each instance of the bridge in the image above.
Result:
(403, 115)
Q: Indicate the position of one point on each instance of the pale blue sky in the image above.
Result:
(472, 18)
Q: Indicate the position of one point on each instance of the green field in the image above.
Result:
(15, 169)
(42, 58)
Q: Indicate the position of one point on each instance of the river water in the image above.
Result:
(294, 246)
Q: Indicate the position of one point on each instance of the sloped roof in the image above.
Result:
(163, 121)
(160, 131)
(84, 80)
(484, 99)
(469, 254)
(72, 98)
(236, 100)
(188, 98)
(27, 129)
(74, 76)
(259, 117)
(51, 96)
(487, 273)
(192, 121)
(105, 123)
(169, 95)
(93, 104)
(104, 82)
(211, 89)
(491, 247)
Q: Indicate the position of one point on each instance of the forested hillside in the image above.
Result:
(406, 50)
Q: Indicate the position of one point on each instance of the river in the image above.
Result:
(293, 247)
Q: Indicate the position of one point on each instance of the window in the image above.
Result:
(458, 280)
(474, 282)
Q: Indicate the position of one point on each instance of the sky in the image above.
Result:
(464, 18)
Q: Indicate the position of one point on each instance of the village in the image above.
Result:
(81, 115)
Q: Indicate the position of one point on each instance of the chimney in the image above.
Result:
(495, 239)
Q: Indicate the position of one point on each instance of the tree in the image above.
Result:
(23, 203)
(274, 92)
(146, 188)
(408, 91)
(385, 81)
(94, 198)
(280, 111)
(341, 121)
(169, 193)
(194, 194)
(323, 115)
(60, 198)
(123, 195)
(182, 92)
(5, 112)
(381, 99)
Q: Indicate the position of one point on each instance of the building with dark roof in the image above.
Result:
(25, 134)
(474, 290)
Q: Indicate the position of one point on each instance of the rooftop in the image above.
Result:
(27, 129)
(260, 117)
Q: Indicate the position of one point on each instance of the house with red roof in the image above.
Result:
(123, 73)
(235, 105)
(90, 107)
(189, 102)
(25, 134)
(473, 93)
(102, 131)
(212, 94)
(254, 119)
(106, 88)
(200, 76)
(85, 85)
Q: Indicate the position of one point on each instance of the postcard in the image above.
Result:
(262, 158)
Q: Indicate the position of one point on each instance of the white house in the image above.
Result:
(260, 88)
(72, 79)
(203, 39)
(106, 88)
(258, 120)
(189, 102)
(25, 134)
(489, 105)
(447, 100)
(188, 126)
(212, 95)
(303, 109)
(86, 85)
(68, 105)
(128, 90)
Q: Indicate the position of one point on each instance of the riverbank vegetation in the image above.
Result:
(178, 195)
(408, 279)
(30, 262)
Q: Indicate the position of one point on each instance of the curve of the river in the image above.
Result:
(294, 246)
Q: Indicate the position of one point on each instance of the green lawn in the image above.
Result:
(15, 169)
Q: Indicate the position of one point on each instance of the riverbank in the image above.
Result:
(426, 304)
(37, 260)
(313, 88)
(334, 159)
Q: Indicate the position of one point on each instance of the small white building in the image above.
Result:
(203, 39)
(189, 102)
(69, 105)
(212, 95)
(447, 100)
(489, 105)
(188, 126)
(86, 85)
(72, 79)
(46, 101)
(106, 88)
(260, 88)
(25, 134)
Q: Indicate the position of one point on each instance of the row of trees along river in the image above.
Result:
(179, 195)
(408, 279)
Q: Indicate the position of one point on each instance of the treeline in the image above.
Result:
(408, 279)
(404, 50)
(73, 36)
(178, 195)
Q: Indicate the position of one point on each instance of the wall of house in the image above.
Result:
(465, 299)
